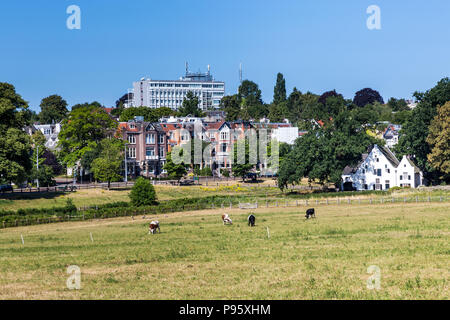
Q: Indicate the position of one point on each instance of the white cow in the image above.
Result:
(226, 219)
(153, 226)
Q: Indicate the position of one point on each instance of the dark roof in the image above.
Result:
(352, 169)
(389, 155)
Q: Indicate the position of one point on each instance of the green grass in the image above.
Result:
(92, 197)
(196, 257)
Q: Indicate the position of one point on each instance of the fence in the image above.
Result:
(70, 188)
(166, 207)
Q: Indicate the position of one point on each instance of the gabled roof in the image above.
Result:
(389, 156)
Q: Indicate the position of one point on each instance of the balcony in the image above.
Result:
(151, 157)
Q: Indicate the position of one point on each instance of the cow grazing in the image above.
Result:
(153, 226)
(226, 219)
(310, 213)
(251, 220)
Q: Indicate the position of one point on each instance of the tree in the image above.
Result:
(107, 166)
(15, 146)
(83, 129)
(323, 98)
(416, 129)
(398, 105)
(44, 173)
(279, 91)
(278, 112)
(252, 106)
(146, 112)
(243, 168)
(190, 106)
(323, 153)
(175, 171)
(53, 109)
(367, 96)
(439, 141)
(143, 193)
(51, 161)
(232, 107)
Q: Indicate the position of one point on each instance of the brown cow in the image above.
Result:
(153, 226)
(226, 219)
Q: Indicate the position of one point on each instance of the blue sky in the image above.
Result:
(318, 45)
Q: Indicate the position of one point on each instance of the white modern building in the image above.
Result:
(171, 93)
(285, 134)
(379, 169)
(391, 135)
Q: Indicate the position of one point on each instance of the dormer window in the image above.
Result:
(132, 125)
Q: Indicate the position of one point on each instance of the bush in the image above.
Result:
(143, 193)
(225, 172)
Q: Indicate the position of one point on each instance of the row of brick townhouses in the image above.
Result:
(148, 143)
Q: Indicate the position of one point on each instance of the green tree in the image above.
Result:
(232, 107)
(15, 146)
(143, 193)
(243, 168)
(53, 109)
(108, 164)
(279, 91)
(323, 153)
(252, 106)
(190, 106)
(278, 112)
(83, 129)
(415, 132)
(175, 171)
(439, 141)
(398, 105)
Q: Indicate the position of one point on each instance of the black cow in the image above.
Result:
(251, 220)
(310, 213)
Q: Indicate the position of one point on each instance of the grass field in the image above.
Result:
(92, 197)
(196, 257)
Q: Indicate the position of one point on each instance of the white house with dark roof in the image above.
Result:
(391, 134)
(379, 169)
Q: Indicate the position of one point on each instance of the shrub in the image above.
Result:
(143, 193)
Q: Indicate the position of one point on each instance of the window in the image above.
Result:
(161, 138)
(150, 138)
(224, 135)
(150, 152)
(132, 125)
(224, 147)
(131, 139)
(379, 172)
(161, 152)
(377, 181)
(387, 184)
(388, 170)
(132, 153)
(378, 160)
(409, 177)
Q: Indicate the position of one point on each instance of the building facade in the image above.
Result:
(171, 93)
(379, 169)
(146, 147)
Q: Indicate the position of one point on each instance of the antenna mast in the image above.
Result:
(240, 72)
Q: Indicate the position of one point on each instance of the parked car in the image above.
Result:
(6, 188)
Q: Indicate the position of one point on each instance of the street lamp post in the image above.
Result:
(126, 167)
(37, 166)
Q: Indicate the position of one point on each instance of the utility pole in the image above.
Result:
(37, 166)
(126, 168)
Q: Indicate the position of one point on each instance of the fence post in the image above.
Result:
(370, 200)
(440, 198)
(296, 203)
(285, 203)
(256, 204)
(348, 200)
(267, 204)
(16, 223)
(276, 203)
(3, 224)
(359, 201)
(306, 202)
(417, 199)
(404, 199)
(327, 201)
(231, 205)
(429, 199)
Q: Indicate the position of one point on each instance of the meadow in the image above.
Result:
(196, 257)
